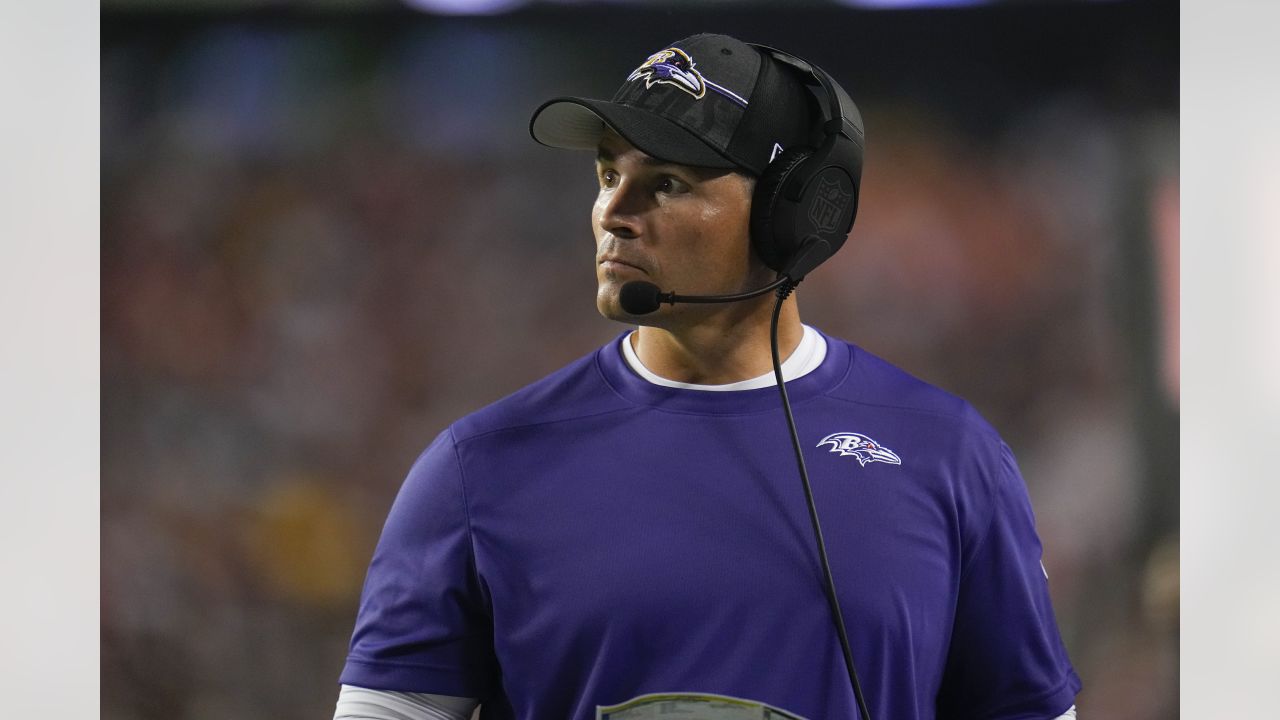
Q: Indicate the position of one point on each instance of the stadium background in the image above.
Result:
(326, 234)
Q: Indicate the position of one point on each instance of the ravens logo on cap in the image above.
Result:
(671, 67)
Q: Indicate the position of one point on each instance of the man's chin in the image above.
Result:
(610, 306)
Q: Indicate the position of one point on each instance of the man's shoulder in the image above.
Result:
(915, 418)
(873, 381)
(576, 391)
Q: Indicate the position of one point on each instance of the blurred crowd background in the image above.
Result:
(326, 234)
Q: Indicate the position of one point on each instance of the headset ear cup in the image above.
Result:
(774, 245)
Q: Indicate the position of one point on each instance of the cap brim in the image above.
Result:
(579, 123)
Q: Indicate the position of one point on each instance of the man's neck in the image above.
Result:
(722, 348)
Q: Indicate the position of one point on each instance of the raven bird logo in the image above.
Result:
(671, 67)
(861, 447)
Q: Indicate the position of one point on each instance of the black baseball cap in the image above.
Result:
(707, 101)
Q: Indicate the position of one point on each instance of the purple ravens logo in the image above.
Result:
(861, 447)
(671, 67)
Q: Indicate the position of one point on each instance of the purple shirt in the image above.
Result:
(595, 537)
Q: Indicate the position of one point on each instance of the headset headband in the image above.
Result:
(839, 106)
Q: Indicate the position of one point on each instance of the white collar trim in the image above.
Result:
(808, 355)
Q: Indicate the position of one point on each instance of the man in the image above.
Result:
(628, 536)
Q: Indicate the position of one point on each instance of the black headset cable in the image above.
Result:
(782, 293)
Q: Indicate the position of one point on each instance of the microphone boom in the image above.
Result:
(639, 297)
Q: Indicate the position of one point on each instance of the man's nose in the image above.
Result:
(621, 211)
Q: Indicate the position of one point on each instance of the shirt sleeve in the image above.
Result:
(1007, 660)
(423, 625)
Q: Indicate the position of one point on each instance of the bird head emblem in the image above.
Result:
(671, 67)
(861, 447)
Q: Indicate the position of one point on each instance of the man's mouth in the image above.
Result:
(614, 264)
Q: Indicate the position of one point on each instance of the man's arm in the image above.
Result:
(357, 703)
(422, 623)
(1006, 658)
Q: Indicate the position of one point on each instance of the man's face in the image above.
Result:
(682, 228)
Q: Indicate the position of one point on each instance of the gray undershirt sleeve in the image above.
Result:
(357, 703)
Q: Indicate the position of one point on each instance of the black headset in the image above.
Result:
(804, 204)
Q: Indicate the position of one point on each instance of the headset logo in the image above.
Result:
(829, 204)
(861, 447)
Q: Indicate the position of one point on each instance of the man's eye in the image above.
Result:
(670, 185)
(608, 178)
